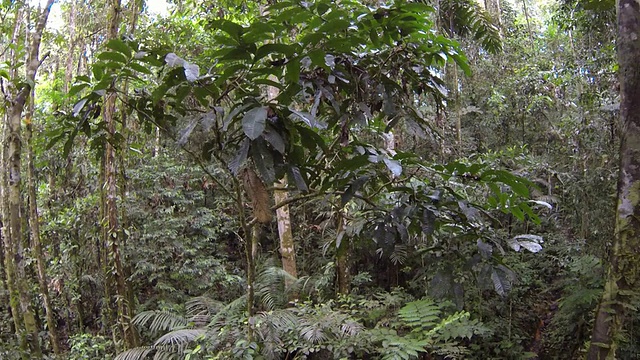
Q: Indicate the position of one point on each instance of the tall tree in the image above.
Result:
(623, 275)
(113, 232)
(34, 224)
(26, 329)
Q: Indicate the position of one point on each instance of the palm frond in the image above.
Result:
(236, 306)
(270, 286)
(143, 352)
(466, 18)
(138, 353)
(178, 339)
(157, 320)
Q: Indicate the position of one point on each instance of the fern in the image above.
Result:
(428, 331)
(420, 315)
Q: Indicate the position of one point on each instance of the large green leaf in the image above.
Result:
(120, 46)
(265, 50)
(112, 55)
(263, 160)
(254, 122)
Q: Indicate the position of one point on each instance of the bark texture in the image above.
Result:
(287, 244)
(20, 300)
(623, 274)
(113, 233)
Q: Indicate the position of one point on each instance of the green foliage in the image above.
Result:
(179, 229)
(317, 331)
(468, 18)
(429, 331)
(507, 223)
(87, 346)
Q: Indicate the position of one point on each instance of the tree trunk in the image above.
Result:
(35, 235)
(343, 266)
(287, 244)
(68, 75)
(623, 273)
(113, 234)
(283, 216)
(20, 300)
(495, 11)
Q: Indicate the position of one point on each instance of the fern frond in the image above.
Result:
(142, 352)
(270, 285)
(313, 333)
(164, 355)
(420, 314)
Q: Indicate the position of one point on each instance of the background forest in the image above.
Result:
(429, 179)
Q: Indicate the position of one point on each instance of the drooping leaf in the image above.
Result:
(275, 139)
(140, 68)
(79, 106)
(352, 189)
(77, 88)
(232, 114)
(254, 122)
(301, 184)
(293, 70)
(187, 131)
(263, 160)
(191, 71)
(393, 166)
(241, 157)
(234, 30)
(174, 60)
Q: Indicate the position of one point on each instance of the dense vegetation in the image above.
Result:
(318, 180)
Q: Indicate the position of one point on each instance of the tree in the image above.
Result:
(113, 232)
(12, 214)
(623, 274)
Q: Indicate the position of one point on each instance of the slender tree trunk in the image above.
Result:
(34, 224)
(343, 263)
(13, 210)
(287, 244)
(623, 273)
(9, 252)
(114, 234)
(283, 217)
(526, 16)
(494, 9)
(68, 75)
(9, 255)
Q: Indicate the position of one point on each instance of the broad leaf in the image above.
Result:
(119, 46)
(240, 158)
(112, 55)
(191, 71)
(254, 122)
(393, 166)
